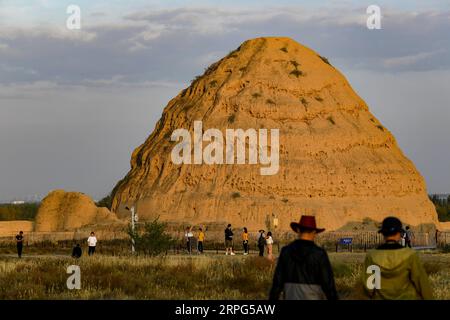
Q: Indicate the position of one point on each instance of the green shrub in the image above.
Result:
(154, 240)
(303, 101)
(231, 118)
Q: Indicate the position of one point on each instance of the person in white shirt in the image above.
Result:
(269, 243)
(92, 242)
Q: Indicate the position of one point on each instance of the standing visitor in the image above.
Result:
(403, 276)
(19, 241)
(408, 236)
(269, 243)
(304, 271)
(229, 240)
(261, 242)
(92, 243)
(245, 241)
(188, 235)
(201, 238)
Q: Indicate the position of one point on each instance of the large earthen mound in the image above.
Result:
(337, 161)
(69, 211)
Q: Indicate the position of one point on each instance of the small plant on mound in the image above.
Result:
(284, 49)
(154, 240)
(318, 99)
(325, 60)
(304, 102)
(235, 195)
(256, 95)
(294, 63)
(270, 101)
(296, 73)
(330, 118)
(380, 127)
(231, 118)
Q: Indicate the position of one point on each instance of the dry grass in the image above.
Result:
(178, 277)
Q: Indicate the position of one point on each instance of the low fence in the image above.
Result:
(329, 240)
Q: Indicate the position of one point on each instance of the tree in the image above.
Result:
(154, 240)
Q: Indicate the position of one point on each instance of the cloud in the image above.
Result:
(409, 59)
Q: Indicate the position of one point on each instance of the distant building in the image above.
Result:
(18, 202)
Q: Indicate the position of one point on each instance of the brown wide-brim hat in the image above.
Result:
(306, 222)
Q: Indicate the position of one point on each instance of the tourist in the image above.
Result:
(188, 235)
(402, 275)
(304, 271)
(269, 244)
(229, 240)
(19, 241)
(77, 252)
(261, 242)
(92, 243)
(408, 237)
(200, 239)
(245, 241)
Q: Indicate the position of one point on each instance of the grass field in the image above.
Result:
(178, 276)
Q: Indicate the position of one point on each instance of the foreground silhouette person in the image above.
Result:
(402, 274)
(304, 271)
(77, 252)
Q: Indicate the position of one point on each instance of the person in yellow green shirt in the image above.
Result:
(200, 239)
(401, 275)
(245, 241)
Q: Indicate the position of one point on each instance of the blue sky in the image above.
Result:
(74, 104)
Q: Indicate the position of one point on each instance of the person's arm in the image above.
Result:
(420, 279)
(328, 285)
(278, 277)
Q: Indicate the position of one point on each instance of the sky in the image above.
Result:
(75, 103)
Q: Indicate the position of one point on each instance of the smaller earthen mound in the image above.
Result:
(68, 211)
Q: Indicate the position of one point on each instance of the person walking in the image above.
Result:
(303, 271)
(92, 243)
(19, 242)
(402, 275)
(269, 244)
(229, 240)
(200, 239)
(245, 241)
(77, 252)
(261, 242)
(188, 235)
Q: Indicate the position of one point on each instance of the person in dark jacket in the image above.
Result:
(304, 271)
(19, 241)
(77, 252)
(261, 242)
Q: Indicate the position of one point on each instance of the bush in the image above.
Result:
(106, 202)
(284, 49)
(296, 73)
(154, 240)
(235, 195)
